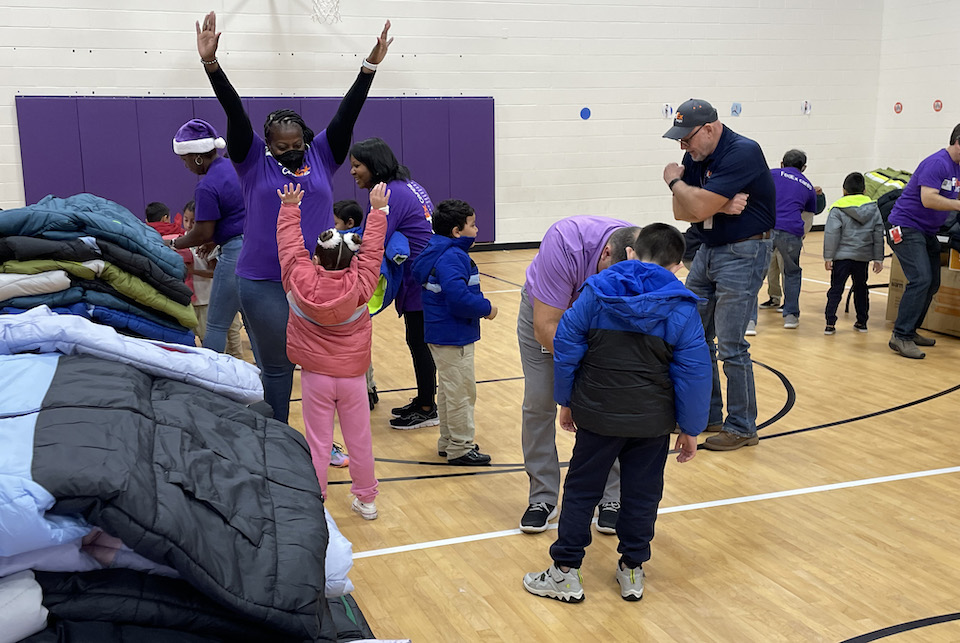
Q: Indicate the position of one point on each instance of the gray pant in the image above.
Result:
(539, 417)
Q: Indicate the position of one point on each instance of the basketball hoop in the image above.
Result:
(326, 11)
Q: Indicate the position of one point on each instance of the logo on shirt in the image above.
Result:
(709, 173)
(950, 185)
(304, 171)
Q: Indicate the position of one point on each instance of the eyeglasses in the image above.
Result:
(686, 141)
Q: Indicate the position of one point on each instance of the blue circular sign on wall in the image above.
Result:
(585, 113)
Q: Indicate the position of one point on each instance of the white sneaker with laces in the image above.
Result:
(368, 510)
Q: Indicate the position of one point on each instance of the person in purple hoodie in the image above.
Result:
(288, 152)
(916, 218)
(371, 162)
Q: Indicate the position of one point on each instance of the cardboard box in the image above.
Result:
(943, 316)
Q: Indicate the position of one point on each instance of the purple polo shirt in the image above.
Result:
(218, 198)
(936, 171)
(795, 194)
(568, 255)
(410, 214)
(261, 176)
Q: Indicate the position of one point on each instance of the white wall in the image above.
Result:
(918, 65)
(541, 61)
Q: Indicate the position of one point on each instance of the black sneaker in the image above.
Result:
(830, 329)
(472, 458)
(373, 398)
(770, 303)
(607, 519)
(536, 517)
(860, 327)
(416, 419)
(397, 411)
(443, 454)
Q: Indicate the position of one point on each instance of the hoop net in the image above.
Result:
(326, 11)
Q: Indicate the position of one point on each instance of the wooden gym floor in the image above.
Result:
(844, 520)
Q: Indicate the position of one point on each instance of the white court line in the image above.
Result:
(494, 292)
(669, 510)
(827, 283)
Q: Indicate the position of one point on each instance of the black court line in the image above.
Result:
(866, 416)
(501, 279)
(903, 627)
(791, 395)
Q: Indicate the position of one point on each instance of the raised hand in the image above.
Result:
(208, 38)
(291, 195)
(379, 196)
(380, 49)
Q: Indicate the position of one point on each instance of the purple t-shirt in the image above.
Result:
(410, 214)
(795, 194)
(568, 255)
(936, 171)
(218, 198)
(261, 176)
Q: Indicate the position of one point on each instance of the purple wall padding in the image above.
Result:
(472, 171)
(49, 146)
(121, 148)
(110, 146)
(165, 178)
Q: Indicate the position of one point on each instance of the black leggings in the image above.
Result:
(423, 366)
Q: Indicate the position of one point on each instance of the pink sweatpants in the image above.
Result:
(347, 396)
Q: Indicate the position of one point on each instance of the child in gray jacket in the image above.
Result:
(852, 237)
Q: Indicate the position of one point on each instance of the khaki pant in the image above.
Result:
(774, 270)
(201, 328)
(456, 397)
(234, 344)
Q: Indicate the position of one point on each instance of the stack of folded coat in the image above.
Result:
(87, 256)
(141, 500)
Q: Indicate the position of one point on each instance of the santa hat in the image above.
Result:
(197, 137)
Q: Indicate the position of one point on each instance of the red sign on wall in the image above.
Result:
(897, 108)
(937, 105)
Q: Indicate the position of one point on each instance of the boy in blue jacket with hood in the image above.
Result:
(452, 308)
(630, 365)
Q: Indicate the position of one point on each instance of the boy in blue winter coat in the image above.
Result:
(452, 308)
(630, 364)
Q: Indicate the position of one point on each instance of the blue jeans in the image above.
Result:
(919, 256)
(224, 296)
(265, 311)
(789, 247)
(728, 278)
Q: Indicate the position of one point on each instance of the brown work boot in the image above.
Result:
(714, 428)
(726, 441)
(905, 347)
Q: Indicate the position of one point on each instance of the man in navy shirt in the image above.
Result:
(724, 187)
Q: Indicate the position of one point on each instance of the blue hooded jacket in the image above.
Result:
(452, 301)
(630, 358)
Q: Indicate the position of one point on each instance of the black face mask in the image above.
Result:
(291, 159)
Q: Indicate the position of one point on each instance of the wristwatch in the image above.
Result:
(672, 183)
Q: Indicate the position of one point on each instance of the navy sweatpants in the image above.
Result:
(641, 487)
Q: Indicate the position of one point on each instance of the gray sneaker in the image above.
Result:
(553, 583)
(791, 321)
(631, 583)
(905, 347)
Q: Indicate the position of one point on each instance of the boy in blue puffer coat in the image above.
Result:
(630, 364)
(452, 308)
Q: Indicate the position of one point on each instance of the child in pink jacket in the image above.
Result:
(329, 334)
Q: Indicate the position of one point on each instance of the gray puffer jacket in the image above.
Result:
(854, 230)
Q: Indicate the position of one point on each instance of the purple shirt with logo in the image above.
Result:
(410, 214)
(218, 198)
(568, 255)
(936, 171)
(261, 176)
(795, 194)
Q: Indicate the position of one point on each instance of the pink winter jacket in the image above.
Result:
(329, 330)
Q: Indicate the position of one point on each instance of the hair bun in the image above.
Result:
(329, 239)
(352, 240)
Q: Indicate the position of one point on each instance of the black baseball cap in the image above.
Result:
(692, 114)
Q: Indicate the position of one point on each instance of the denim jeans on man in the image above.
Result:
(265, 311)
(919, 256)
(728, 278)
(224, 296)
(789, 247)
